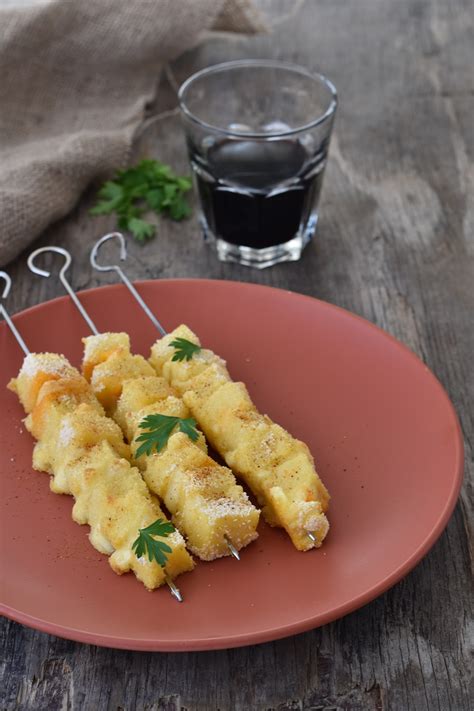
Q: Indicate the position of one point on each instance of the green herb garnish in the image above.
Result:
(148, 186)
(160, 428)
(147, 545)
(184, 350)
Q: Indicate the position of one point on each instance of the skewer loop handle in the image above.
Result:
(8, 284)
(62, 275)
(115, 268)
(123, 252)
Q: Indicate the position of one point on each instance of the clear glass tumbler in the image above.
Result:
(258, 135)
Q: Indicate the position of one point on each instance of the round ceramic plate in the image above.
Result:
(382, 430)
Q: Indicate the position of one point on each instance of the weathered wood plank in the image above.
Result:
(396, 246)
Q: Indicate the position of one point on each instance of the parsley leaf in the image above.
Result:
(111, 195)
(160, 428)
(188, 427)
(149, 186)
(147, 545)
(184, 349)
(141, 230)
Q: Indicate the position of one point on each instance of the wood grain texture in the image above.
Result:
(395, 245)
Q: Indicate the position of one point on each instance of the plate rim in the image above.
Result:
(309, 623)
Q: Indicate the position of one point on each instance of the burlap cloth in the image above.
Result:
(75, 78)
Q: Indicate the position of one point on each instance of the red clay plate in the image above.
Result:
(384, 435)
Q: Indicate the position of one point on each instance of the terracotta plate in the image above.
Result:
(382, 430)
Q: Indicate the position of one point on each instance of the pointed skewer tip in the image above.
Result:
(233, 550)
(174, 589)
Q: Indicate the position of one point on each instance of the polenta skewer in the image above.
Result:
(278, 468)
(85, 453)
(208, 506)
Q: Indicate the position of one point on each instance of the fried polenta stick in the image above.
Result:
(85, 453)
(278, 468)
(206, 503)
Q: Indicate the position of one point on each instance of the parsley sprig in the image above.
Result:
(146, 187)
(184, 349)
(147, 545)
(160, 428)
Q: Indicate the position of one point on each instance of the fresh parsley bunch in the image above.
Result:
(145, 187)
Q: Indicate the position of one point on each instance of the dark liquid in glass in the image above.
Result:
(258, 193)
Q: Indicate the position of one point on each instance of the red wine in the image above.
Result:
(258, 193)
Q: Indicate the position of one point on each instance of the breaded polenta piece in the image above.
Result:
(98, 348)
(277, 467)
(205, 501)
(140, 393)
(180, 373)
(65, 395)
(108, 362)
(68, 433)
(37, 369)
(85, 453)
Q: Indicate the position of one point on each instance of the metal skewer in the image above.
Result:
(115, 268)
(4, 312)
(62, 275)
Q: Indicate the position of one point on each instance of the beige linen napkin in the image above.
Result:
(75, 78)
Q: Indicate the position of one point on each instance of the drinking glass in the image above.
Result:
(258, 135)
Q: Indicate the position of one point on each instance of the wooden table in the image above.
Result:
(395, 245)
